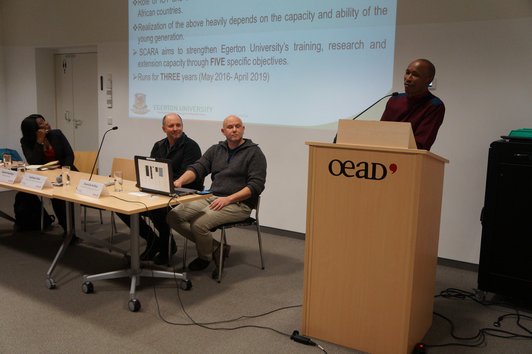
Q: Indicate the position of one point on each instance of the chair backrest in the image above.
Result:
(14, 154)
(127, 166)
(84, 160)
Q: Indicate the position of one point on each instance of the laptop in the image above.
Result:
(155, 176)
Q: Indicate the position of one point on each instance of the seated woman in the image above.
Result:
(41, 145)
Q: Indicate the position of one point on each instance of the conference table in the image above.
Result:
(129, 201)
(45, 192)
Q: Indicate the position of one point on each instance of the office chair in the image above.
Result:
(217, 273)
(127, 166)
(84, 160)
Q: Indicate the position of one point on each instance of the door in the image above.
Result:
(76, 79)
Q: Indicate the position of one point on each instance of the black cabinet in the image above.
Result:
(505, 265)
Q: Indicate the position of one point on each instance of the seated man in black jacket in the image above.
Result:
(182, 151)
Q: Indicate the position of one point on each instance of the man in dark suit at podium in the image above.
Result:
(417, 105)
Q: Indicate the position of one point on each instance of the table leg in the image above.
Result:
(134, 250)
(6, 216)
(50, 282)
(135, 272)
(81, 233)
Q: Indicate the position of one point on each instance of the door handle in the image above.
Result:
(68, 117)
(77, 123)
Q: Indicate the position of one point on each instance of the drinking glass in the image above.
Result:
(65, 172)
(119, 181)
(7, 160)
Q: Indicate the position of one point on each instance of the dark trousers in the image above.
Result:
(158, 217)
(59, 207)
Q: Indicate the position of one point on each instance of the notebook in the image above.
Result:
(155, 176)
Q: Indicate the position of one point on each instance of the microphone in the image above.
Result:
(364, 111)
(100, 148)
(296, 337)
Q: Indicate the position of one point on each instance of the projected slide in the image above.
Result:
(291, 62)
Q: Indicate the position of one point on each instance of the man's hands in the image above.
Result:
(219, 203)
(187, 177)
(222, 202)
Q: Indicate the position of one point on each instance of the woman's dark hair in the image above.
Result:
(29, 129)
(35, 116)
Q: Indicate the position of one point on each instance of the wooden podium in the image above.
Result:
(373, 219)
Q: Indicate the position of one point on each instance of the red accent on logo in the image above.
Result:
(393, 168)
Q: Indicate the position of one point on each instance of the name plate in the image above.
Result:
(34, 181)
(91, 189)
(9, 176)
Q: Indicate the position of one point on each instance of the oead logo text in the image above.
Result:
(366, 170)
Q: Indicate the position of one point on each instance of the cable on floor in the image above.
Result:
(208, 325)
(479, 339)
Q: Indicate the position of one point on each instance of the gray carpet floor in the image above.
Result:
(65, 320)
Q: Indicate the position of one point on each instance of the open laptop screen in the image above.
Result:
(155, 176)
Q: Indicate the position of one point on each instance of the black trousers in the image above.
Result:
(59, 207)
(158, 217)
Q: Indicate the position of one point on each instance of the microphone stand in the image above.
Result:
(99, 149)
(364, 111)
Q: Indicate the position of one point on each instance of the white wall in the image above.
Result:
(45, 81)
(21, 92)
(3, 117)
(483, 54)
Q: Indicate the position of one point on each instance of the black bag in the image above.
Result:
(28, 213)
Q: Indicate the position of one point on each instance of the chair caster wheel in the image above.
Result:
(133, 305)
(87, 287)
(50, 283)
(186, 285)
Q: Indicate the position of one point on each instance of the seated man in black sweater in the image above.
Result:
(182, 151)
